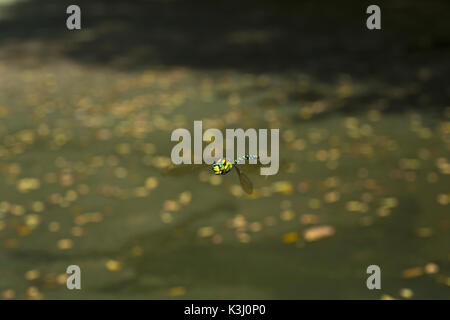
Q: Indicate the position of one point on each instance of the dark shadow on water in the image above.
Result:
(321, 40)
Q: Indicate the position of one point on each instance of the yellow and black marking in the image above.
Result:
(219, 167)
(222, 166)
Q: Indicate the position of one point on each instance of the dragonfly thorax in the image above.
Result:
(221, 166)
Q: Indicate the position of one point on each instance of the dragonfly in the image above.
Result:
(221, 166)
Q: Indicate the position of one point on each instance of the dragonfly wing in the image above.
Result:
(246, 184)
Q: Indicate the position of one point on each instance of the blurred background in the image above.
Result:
(85, 124)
